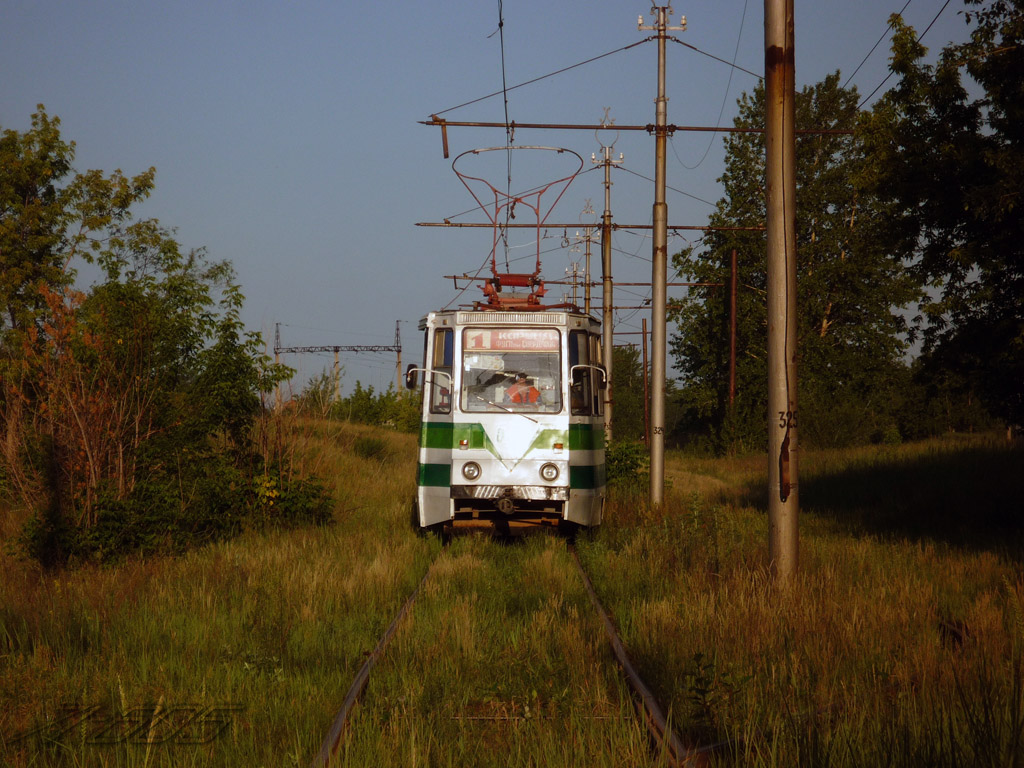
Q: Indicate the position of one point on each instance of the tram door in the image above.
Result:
(434, 495)
(586, 429)
(585, 381)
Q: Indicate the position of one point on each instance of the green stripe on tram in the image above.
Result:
(586, 437)
(582, 437)
(587, 477)
(447, 435)
(434, 475)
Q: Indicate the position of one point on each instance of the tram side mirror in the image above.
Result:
(411, 378)
(602, 379)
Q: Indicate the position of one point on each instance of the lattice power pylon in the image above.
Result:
(336, 348)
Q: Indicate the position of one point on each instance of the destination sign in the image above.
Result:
(511, 339)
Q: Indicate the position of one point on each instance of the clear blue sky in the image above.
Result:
(286, 140)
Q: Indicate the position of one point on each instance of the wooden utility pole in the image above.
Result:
(780, 146)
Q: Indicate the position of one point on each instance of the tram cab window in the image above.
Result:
(597, 376)
(441, 367)
(514, 369)
(584, 386)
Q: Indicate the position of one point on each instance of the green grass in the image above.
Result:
(503, 663)
(898, 643)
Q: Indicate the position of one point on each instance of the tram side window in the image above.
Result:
(581, 397)
(441, 367)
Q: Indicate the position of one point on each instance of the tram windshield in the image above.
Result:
(511, 369)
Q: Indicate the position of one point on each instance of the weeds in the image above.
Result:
(371, 449)
(502, 662)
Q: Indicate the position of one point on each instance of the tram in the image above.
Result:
(512, 431)
(512, 427)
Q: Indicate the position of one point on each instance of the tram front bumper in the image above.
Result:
(524, 492)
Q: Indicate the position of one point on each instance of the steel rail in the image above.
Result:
(664, 737)
(330, 744)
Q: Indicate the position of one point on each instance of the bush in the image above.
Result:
(627, 463)
(212, 500)
(364, 406)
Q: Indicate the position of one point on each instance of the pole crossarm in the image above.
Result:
(592, 282)
(648, 128)
(674, 227)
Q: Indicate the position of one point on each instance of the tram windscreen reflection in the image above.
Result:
(511, 369)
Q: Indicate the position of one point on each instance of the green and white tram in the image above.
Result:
(512, 430)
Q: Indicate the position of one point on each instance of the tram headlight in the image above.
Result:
(471, 471)
(549, 472)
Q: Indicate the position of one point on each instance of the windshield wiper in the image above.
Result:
(503, 408)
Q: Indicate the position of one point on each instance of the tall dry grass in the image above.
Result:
(899, 643)
(271, 626)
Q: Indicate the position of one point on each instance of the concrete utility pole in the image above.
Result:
(659, 268)
(587, 239)
(607, 319)
(780, 152)
(732, 331)
(399, 389)
(573, 273)
(277, 361)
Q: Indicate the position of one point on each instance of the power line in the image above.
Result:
(591, 60)
(508, 130)
(880, 39)
(891, 72)
(725, 99)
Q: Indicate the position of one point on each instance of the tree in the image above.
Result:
(46, 223)
(949, 174)
(628, 411)
(850, 332)
(127, 409)
(321, 392)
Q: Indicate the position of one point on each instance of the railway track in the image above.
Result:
(665, 743)
(663, 737)
(355, 691)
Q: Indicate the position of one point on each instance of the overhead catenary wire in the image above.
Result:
(508, 130)
(674, 189)
(732, 64)
(542, 77)
(505, 90)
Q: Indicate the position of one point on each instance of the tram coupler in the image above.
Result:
(504, 503)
